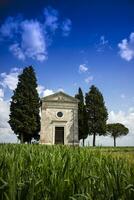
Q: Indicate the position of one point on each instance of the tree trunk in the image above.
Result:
(22, 139)
(94, 139)
(29, 141)
(83, 142)
(114, 141)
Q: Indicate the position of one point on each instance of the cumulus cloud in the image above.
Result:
(89, 79)
(1, 94)
(27, 38)
(60, 90)
(10, 80)
(17, 51)
(4, 114)
(47, 92)
(66, 27)
(51, 18)
(33, 43)
(83, 68)
(40, 89)
(124, 118)
(6, 134)
(126, 47)
(10, 27)
(44, 92)
(30, 38)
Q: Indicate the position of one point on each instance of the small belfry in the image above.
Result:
(59, 119)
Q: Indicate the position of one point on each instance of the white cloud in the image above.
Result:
(10, 80)
(29, 38)
(47, 92)
(103, 41)
(16, 69)
(10, 27)
(44, 92)
(60, 90)
(89, 79)
(51, 18)
(33, 43)
(40, 89)
(8, 137)
(127, 48)
(4, 114)
(1, 94)
(103, 44)
(120, 117)
(128, 120)
(6, 134)
(66, 27)
(83, 68)
(108, 141)
(17, 51)
(124, 118)
(131, 110)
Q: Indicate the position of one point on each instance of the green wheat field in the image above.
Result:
(39, 172)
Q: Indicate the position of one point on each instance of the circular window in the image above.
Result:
(59, 114)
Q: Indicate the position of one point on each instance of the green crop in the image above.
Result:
(39, 172)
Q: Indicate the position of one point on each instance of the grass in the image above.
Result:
(38, 172)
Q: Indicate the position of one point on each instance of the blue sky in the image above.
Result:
(70, 44)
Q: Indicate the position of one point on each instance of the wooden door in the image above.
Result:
(59, 135)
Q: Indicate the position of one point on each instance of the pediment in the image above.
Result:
(60, 97)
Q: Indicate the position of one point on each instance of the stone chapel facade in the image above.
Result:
(59, 119)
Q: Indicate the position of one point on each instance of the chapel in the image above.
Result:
(59, 119)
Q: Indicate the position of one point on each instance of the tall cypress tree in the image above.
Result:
(97, 112)
(82, 120)
(24, 109)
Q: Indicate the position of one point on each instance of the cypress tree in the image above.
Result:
(24, 109)
(96, 112)
(82, 116)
